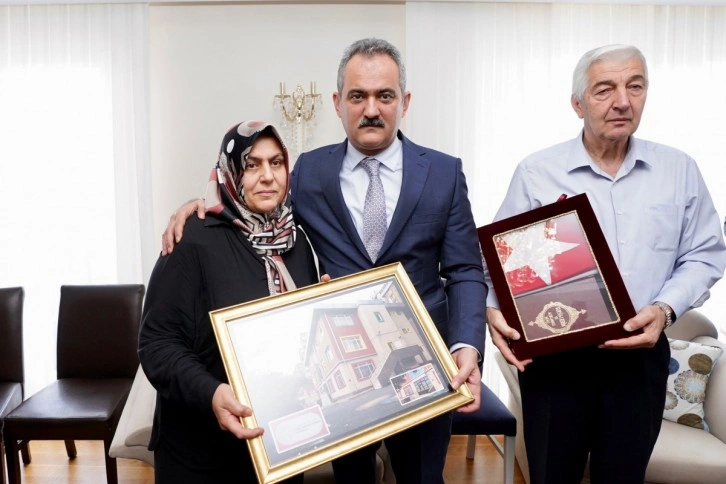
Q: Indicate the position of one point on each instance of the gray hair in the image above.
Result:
(608, 52)
(370, 47)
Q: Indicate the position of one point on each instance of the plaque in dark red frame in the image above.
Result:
(555, 278)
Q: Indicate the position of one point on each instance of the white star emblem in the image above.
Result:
(531, 247)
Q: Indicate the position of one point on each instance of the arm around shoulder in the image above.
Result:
(175, 228)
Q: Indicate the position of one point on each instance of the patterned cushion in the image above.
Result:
(691, 365)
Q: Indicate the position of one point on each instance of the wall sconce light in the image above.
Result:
(297, 115)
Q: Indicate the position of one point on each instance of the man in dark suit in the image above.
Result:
(428, 227)
(431, 231)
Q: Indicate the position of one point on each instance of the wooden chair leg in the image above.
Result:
(25, 451)
(71, 449)
(111, 471)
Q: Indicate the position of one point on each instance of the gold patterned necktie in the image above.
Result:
(374, 209)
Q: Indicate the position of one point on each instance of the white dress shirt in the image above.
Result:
(354, 180)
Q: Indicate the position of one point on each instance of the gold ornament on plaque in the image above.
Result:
(557, 317)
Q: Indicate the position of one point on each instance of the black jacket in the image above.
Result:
(214, 266)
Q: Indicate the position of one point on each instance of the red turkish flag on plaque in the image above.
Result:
(545, 254)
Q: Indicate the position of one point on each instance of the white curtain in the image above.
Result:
(74, 162)
(491, 83)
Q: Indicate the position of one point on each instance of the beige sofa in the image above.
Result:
(134, 430)
(682, 454)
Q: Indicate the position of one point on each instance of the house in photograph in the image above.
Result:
(356, 347)
(414, 384)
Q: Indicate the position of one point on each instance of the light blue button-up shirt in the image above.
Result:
(656, 213)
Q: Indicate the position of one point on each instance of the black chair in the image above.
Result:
(96, 363)
(12, 376)
(492, 418)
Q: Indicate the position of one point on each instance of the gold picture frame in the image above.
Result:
(333, 367)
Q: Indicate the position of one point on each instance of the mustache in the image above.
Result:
(371, 122)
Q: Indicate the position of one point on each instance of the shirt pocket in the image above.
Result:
(662, 227)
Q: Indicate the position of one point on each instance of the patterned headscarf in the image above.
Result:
(271, 234)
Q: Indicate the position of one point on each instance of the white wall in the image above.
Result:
(214, 65)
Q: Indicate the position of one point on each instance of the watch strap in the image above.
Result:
(668, 311)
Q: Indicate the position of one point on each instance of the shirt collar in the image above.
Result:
(391, 157)
(579, 157)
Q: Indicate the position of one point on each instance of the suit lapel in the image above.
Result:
(415, 171)
(330, 174)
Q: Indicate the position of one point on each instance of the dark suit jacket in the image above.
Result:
(432, 233)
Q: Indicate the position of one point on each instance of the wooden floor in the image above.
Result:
(486, 467)
(50, 465)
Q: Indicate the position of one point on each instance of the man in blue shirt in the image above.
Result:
(665, 235)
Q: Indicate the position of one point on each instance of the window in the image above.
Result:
(352, 343)
(342, 320)
(395, 344)
(364, 370)
(679, 43)
(423, 385)
(340, 383)
(379, 316)
(75, 112)
(328, 354)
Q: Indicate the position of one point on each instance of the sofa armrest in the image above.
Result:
(715, 405)
(694, 326)
(690, 325)
(134, 428)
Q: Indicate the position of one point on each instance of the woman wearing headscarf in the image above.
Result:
(247, 247)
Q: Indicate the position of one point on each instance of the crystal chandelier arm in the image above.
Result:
(282, 99)
(314, 100)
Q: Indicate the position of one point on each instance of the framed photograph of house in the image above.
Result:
(333, 367)
(555, 278)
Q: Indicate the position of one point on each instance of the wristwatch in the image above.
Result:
(668, 311)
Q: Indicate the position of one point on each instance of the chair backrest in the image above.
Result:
(98, 329)
(11, 334)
